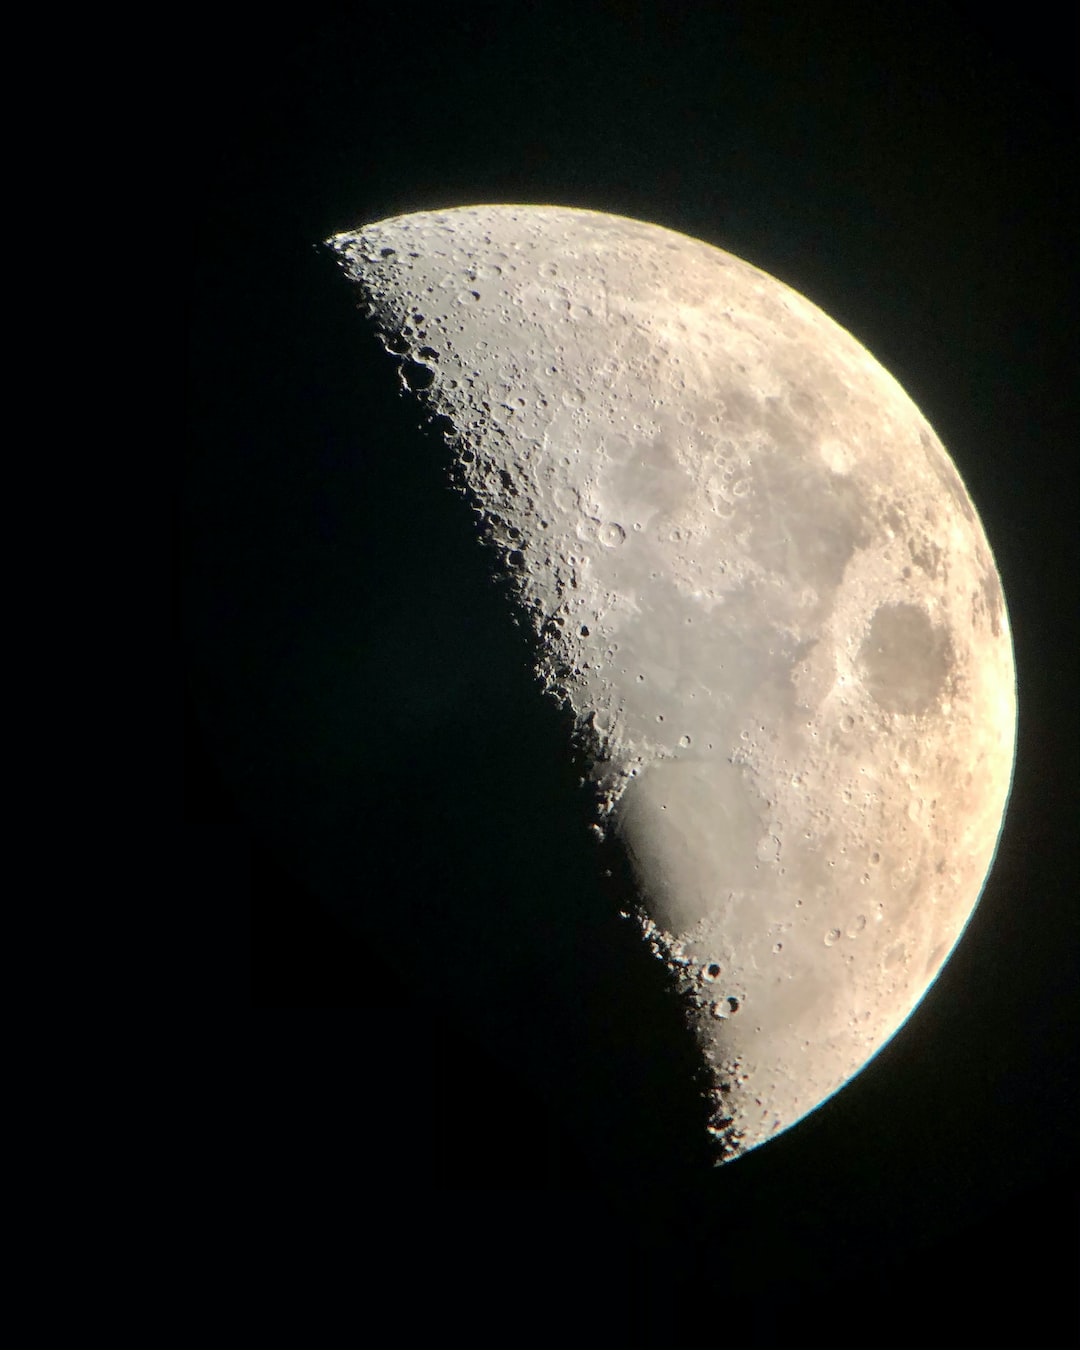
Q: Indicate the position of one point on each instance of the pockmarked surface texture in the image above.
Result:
(758, 585)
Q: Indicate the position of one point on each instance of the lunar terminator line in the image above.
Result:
(757, 582)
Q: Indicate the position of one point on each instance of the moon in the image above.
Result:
(762, 594)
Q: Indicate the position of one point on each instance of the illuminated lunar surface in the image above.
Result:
(760, 588)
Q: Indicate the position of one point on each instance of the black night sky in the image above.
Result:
(464, 1103)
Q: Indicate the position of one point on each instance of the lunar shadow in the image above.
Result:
(370, 708)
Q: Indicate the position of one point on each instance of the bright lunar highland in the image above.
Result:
(759, 587)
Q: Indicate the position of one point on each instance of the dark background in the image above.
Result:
(459, 1109)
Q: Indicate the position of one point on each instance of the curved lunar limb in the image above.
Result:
(758, 584)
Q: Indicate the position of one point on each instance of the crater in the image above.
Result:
(906, 659)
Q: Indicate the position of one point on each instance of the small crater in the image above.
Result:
(443, 426)
(712, 971)
(832, 937)
(415, 376)
(768, 848)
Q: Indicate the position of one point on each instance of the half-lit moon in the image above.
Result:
(759, 585)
